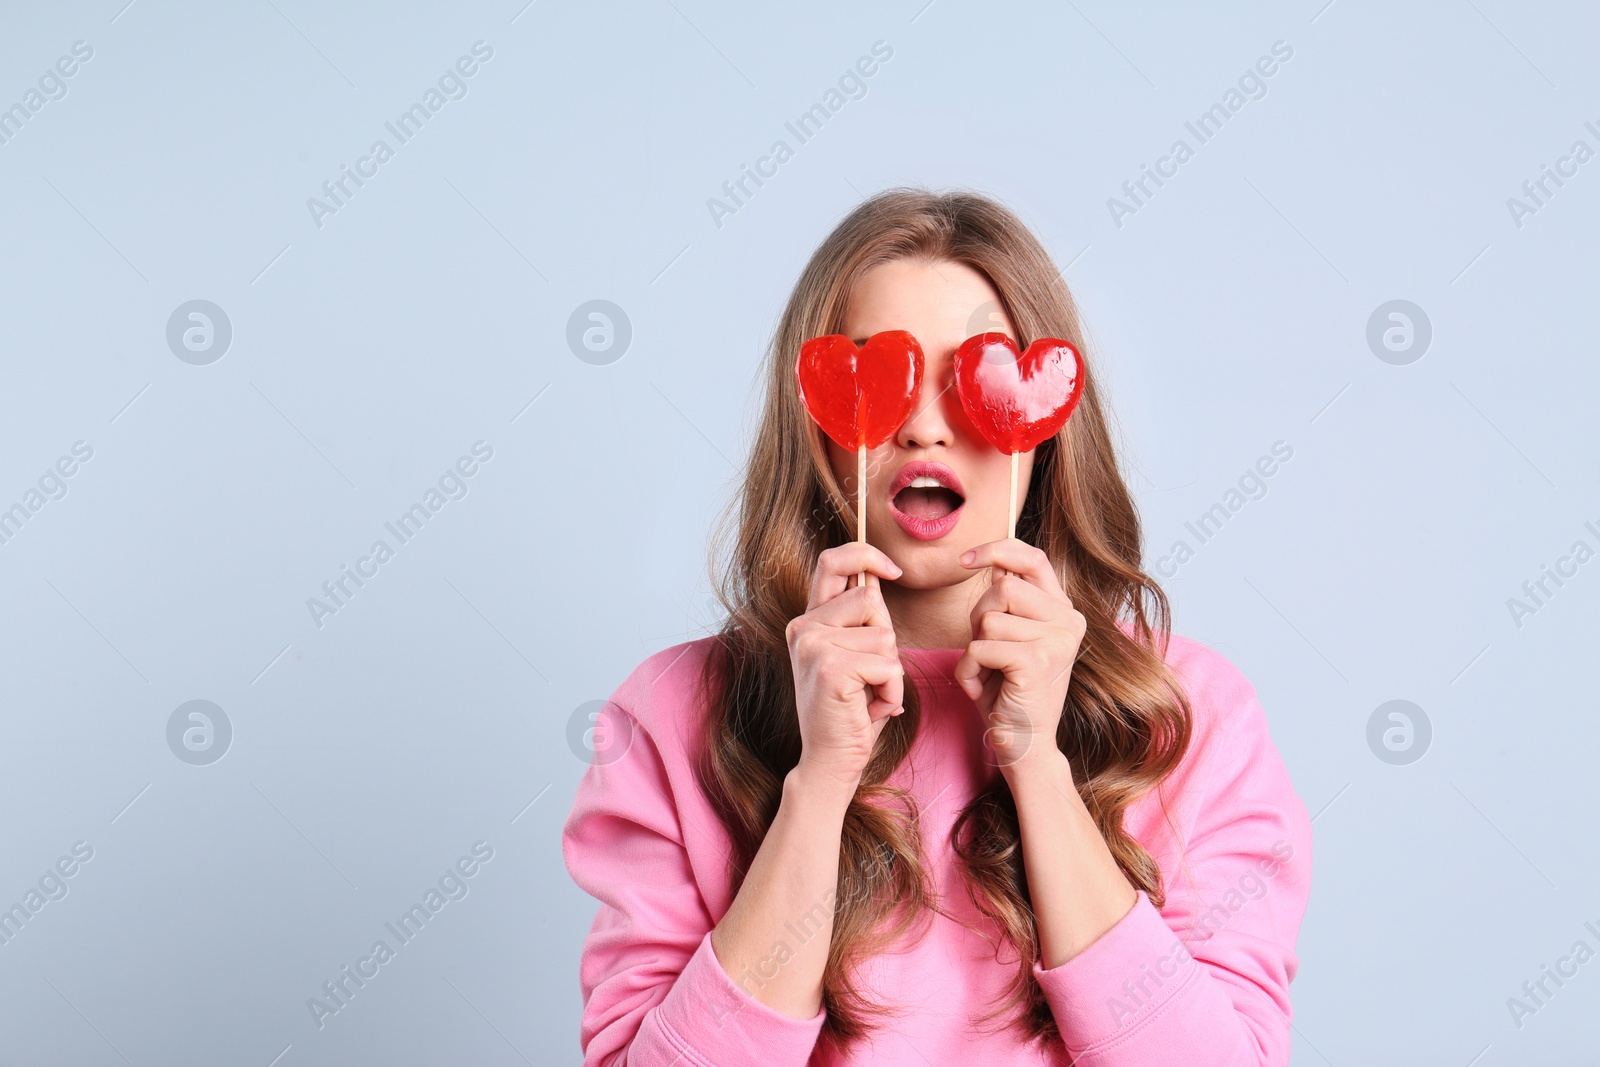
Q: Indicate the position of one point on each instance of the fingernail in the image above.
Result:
(969, 555)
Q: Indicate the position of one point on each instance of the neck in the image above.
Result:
(934, 618)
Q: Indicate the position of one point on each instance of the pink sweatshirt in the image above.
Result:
(1201, 982)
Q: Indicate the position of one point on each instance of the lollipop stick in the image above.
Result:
(861, 504)
(1011, 522)
(1011, 530)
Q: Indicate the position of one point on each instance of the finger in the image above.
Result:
(977, 680)
(993, 655)
(1014, 594)
(879, 721)
(1017, 557)
(838, 566)
(971, 675)
(860, 605)
(886, 675)
(991, 690)
(875, 640)
(886, 707)
(1005, 626)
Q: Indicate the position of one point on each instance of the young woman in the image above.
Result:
(980, 810)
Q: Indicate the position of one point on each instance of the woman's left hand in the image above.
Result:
(1025, 639)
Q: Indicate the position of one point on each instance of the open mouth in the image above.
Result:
(927, 501)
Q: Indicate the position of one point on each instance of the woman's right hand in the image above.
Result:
(847, 673)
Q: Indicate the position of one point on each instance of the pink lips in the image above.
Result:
(925, 529)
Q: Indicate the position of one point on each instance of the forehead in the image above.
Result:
(942, 303)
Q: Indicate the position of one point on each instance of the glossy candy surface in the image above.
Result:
(860, 396)
(1016, 400)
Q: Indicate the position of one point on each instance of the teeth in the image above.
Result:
(925, 483)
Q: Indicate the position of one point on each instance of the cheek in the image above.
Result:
(989, 493)
(985, 482)
(842, 463)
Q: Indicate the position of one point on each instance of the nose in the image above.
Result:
(930, 421)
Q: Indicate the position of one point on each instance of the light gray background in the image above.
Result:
(368, 354)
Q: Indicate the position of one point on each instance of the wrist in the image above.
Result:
(824, 787)
(1040, 768)
(1042, 785)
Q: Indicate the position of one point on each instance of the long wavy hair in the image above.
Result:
(1126, 722)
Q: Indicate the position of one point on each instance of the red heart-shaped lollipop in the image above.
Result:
(1018, 400)
(860, 396)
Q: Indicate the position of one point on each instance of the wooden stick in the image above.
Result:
(1011, 522)
(1011, 530)
(861, 504)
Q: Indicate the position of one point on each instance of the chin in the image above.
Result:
(930, 567)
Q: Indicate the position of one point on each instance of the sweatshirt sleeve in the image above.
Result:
(1205, 979)
(654, 993)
